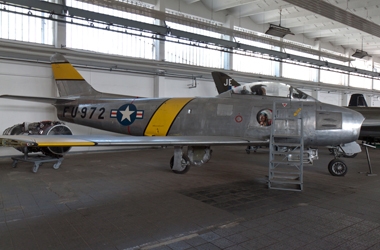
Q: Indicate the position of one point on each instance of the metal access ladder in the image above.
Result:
(286, 157)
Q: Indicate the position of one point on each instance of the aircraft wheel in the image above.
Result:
(350, 155)
(337, 167)
(185, 165)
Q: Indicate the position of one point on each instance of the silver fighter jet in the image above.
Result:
(242, 115)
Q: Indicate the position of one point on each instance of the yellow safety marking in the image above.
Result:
(65, 71)
(297, 112)
(164, 116)
(65, 144)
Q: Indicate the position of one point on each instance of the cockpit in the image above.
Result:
(274, 89)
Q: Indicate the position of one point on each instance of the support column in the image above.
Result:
(277, 67)
(59, 30)
(159, 43)
(315, 94)
(346, 79)
(370, 102)
(227, 57)
(159, 86)
(317, 76)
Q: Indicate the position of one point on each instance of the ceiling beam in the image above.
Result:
(314, 28)
(191, 1)
(227, 4)
(332, 34)
(254, 9)
(335, 13)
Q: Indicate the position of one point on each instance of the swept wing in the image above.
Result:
(110, 140)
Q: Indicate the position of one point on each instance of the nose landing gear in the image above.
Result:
(337, 167)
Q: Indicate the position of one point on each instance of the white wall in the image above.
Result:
(330, 98)
(119, 83)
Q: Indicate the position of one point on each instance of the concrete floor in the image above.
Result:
(131, 200)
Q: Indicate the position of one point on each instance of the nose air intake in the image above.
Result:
(354, 122)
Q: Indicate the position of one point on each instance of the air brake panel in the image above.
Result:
(328, 120)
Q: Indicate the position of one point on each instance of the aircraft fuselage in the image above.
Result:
(237, 116)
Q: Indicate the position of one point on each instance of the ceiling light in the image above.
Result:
(360, 54)
(279, 31)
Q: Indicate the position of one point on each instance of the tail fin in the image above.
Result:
(69, 81)
(357, 100)
(223, 82)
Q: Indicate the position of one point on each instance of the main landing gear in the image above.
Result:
(184, 165)
(196, 155)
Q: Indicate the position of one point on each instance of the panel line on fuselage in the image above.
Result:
(164, 116)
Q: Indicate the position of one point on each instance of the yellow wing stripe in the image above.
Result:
(164, 116)
(65, 144)
(65, 71)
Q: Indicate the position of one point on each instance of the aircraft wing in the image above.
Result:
(110, 140)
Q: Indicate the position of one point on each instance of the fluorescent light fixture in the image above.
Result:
(360, 54)
(278, 30)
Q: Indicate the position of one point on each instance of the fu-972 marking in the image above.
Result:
(85, 112)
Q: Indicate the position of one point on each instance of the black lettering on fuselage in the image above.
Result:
(74, 112)
(65, 109)
(85, 112)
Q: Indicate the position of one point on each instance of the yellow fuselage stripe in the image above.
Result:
(164, 116)
(65, 71)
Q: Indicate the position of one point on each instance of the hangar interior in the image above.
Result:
(168, 48)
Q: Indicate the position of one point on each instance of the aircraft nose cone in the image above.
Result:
(355, 122)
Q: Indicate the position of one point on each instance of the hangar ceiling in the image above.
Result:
(348, 23)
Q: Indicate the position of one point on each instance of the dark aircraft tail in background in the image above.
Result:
(357, 100)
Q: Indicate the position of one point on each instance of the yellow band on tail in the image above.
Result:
(65, 71)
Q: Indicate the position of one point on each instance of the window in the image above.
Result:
(299, 70)
(25, 27)
(193, 53)
(248, 61)
(332, 76)
(361, 82)
(109, 39)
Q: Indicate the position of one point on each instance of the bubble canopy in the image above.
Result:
(274, 89)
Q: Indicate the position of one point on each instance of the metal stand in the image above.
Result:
(366, 146)
(286, 156)
(37, 160)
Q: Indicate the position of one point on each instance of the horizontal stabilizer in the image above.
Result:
(39, 99)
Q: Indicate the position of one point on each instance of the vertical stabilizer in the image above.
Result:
(223, 82)
(69, 81)
(357, 100)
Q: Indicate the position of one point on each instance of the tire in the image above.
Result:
(185, 164)
(337, 168)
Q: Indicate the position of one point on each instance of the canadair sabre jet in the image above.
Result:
(239, 116)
